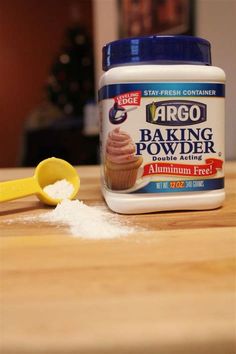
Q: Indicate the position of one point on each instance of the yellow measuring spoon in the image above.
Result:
(47, 172)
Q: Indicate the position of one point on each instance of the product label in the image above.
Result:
(162, 137)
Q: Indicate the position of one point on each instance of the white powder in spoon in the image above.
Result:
(61, 189)
(87, 222)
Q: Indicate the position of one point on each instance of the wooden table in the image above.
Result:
(169, 289)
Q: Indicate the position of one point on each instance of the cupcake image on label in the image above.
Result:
(121, 163)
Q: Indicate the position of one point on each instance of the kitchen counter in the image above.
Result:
(169, 289)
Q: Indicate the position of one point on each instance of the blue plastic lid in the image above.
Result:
(157, 50)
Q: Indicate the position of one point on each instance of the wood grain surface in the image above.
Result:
(168, 289)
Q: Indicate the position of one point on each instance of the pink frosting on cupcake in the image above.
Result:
(120, 147)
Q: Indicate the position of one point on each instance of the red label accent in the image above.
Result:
(176, 169)
(129, 99)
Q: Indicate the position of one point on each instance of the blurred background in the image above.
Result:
(50, 64)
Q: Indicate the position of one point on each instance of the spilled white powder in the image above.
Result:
(88, 222)
(85, 221)
(61, 189)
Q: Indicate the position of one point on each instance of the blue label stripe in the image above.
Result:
(164, 89)
(193, 186)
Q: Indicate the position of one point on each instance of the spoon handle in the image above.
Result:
(18, 188)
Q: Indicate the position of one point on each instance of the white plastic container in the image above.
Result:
(162, 129)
